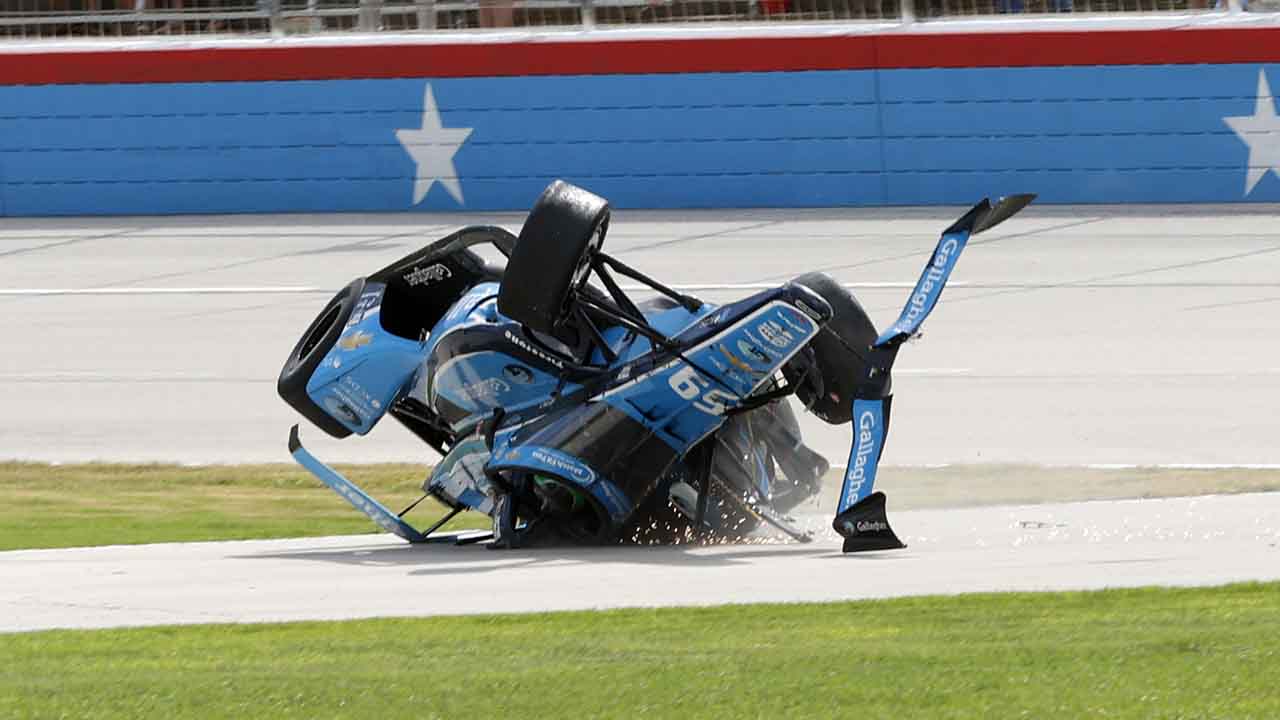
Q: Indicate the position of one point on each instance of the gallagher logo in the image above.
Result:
(866, 445)
(931, 280)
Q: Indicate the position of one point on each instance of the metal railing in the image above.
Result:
(146, 18)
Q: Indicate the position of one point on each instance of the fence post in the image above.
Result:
(907, 15)
(426, 14)
(273, 17)
(370, 19)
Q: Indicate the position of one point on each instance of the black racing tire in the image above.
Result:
(840, 349)
(311, 348)
(552, 257)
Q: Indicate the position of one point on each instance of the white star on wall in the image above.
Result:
(432, 148)
(1261, 132)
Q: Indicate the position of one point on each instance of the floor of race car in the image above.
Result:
(1178, 541)
(1069, 336)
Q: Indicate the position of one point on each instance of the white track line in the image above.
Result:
(1179, 466)
(278, 290)
(1106, 466)
(695, 287)
(301, 290)
(690, 287)
(97, 376)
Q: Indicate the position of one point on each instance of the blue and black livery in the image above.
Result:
(570, 413)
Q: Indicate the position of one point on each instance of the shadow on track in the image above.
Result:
(432, 560)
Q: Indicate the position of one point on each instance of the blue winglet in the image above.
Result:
(928, 288)
(358, 498)
(870, 421)
(860, 516)
(924, 297)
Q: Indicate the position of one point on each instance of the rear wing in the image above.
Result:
(860, 513)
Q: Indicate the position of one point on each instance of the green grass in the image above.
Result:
(49, 506)
(1151, 653)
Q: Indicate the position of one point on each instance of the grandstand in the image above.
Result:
(35, 19)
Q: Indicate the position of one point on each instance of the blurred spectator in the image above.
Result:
(167, 27)
(128, 17)
(95, 6)
(497, 13)
(1016, 6)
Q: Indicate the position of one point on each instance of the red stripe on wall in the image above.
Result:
(1108, 47)
(610, 57)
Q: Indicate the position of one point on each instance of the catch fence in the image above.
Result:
(33, 19)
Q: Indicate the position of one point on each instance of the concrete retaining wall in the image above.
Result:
(1109, 116)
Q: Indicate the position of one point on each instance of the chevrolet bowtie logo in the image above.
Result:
(733, 359)
(355, 340)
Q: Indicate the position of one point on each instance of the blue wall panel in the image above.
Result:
(1060, 152)
(864, 137)
(1058, 117)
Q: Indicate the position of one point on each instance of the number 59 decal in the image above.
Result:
(690, 385)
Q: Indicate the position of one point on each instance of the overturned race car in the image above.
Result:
(570, 413)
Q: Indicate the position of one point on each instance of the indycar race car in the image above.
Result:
(570, 413)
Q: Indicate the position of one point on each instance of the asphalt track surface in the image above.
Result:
(1069, 336)
(1183, 541)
